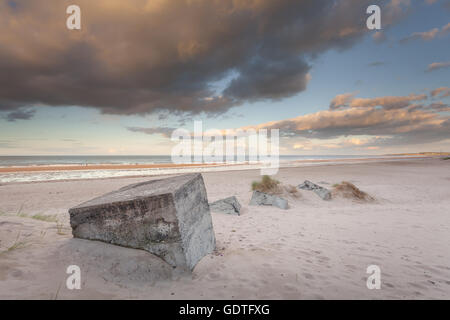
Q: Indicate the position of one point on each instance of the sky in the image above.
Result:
(137, 70)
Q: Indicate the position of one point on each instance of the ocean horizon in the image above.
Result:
(62, 160)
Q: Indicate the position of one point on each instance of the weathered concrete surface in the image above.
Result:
(228, 205)
(263, 199)
(168, 217)
(322, 192)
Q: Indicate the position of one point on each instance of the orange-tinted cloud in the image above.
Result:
(442, 91)
(387, 102)
(428, 35)
(438, 65)
(138, 56)
(397, 121)
(341, 100)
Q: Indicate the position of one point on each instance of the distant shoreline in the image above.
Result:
(39, 168)
(90, 167)
(420, 154)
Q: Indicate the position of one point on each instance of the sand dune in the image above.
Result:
(315, 250)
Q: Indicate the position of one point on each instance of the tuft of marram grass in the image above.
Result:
(274, 187)
(46, 218)
(350, 191)
(267, 185)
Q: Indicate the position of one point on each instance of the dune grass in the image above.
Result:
(266, 185)
(60, 228)
(350, 191)
(272, 186)
(38, 216)
(42, 217)
(17, 244)
(46, 218)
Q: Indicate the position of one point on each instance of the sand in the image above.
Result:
(314, 250)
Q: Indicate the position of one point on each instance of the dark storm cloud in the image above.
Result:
(137, 56)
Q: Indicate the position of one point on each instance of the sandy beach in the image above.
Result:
(314, 250)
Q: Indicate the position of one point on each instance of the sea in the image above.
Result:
(34, 161)
(25, 161)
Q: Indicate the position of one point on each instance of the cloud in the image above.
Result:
(439, 106)
(341, 100)
(433, 107)
(437, 65)
(20, 114)
(396, 125)
(426, 35)
(282, 79)
(443, 91)
(445, 29)
(398, 122)
(164, 131)
(360, 124)
(387, 102)
(137, 57)
(335, 123)
(360, 143)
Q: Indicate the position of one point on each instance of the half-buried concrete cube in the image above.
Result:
(168, 217)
